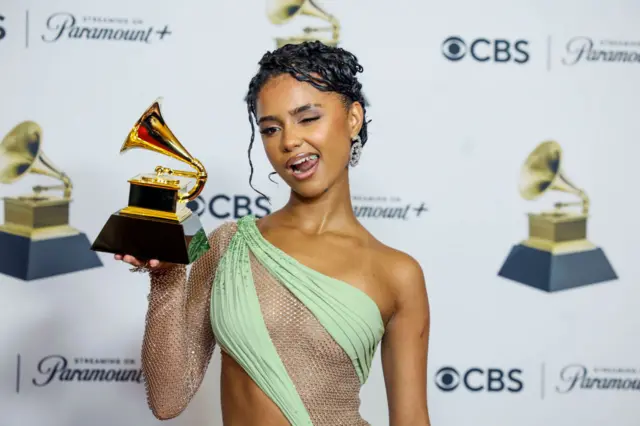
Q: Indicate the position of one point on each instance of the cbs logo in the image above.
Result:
(476, 379)
(223, 206)
(485, 50)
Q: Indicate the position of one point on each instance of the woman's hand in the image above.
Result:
(153, 264)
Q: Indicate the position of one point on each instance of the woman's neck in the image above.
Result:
(331, 211)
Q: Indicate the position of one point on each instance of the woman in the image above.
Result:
(299, 300)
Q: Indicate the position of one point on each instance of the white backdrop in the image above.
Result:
(446, 135)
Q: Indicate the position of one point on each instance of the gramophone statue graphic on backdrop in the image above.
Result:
(36, 240)
(280, 12)
(557, 255)
(157, 224)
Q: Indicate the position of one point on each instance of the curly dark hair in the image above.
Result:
(325, 67)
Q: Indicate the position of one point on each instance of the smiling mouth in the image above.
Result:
(304, 164)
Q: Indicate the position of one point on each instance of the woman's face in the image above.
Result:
(306, 133)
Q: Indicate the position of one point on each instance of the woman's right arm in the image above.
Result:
(178, 340)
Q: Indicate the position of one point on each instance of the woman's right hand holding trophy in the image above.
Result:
(152, 264)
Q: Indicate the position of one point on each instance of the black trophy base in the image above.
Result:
(556, 272)
(148, 238)
(28, 259)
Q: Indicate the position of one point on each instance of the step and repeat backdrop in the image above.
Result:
(503, 156)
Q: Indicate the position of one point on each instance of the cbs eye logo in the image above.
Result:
(484, 50)
(198, 206)
(447, 379)
(454, 48)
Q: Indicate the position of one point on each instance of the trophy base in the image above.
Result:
(30, 259)
(35, 213)
(553, 272)
(180, 242)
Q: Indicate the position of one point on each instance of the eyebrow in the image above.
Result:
(296, 110)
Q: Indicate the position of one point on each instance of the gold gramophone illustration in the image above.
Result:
(282, 11)
(557, 255)
(36, 240)
(157, 224)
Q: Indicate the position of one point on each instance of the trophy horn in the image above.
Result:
(281, 11)
(152, 133)
(21, 153)
(542, 172)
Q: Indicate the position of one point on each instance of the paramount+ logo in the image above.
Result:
(486, 50)
(476, 379)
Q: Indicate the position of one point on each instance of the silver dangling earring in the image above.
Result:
(356, 150)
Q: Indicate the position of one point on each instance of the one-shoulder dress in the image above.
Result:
(306, 339)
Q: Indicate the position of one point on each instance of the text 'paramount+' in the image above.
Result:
(64, 25)
(61, 369)
(386, 207)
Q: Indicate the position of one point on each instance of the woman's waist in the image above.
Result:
(328, 402)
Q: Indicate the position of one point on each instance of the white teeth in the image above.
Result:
(302, 160)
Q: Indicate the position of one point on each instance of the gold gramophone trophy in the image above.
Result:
(157, 224)
(557, 255)
(36, 240)
(281, 11)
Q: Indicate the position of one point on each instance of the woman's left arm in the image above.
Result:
(405, 345)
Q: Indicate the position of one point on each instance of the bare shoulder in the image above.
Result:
(408, 323)
(402, 273)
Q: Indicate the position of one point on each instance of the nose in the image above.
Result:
(290, 140)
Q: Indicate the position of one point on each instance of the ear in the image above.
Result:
(355, 116)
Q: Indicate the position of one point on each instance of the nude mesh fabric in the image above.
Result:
(321, 371)
(178, 340)
(174, 364)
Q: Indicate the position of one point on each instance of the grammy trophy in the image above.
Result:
(157, 224)
(557, 255)
(36, 240)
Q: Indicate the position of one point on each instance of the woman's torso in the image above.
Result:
(321, 371)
